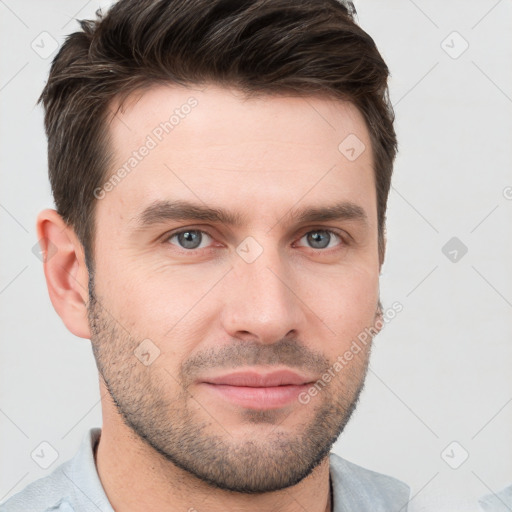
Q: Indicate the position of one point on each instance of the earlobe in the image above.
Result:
(65, 271)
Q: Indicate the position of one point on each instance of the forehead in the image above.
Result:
(219, 147)
(211, 114)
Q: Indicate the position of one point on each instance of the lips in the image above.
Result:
(257, 390)
(260, 380)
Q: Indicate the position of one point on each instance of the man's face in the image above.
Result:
(190, 331)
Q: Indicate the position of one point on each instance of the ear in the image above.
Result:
(66, 274)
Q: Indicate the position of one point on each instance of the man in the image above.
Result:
(220, 171)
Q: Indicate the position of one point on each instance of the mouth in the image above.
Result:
(258, 390)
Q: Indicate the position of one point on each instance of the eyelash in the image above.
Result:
(337, 234)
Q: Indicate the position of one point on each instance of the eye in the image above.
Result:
(322, 238)
(195, 239)
(189, 239)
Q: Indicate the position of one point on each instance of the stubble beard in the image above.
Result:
(180, 429)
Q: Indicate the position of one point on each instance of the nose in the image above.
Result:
(262, 300)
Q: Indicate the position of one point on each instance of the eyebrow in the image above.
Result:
(180, 210)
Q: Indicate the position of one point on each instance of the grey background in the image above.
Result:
(440, 371)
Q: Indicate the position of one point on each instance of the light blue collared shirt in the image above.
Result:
(75, 486)
(497, 502)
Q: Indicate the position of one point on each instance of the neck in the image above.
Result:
(135, 477)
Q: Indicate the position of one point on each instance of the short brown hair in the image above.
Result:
(288, 47)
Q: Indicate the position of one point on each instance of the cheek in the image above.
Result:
(346, 304)
(168, 305)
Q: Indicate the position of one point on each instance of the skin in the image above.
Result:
(168, 442)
